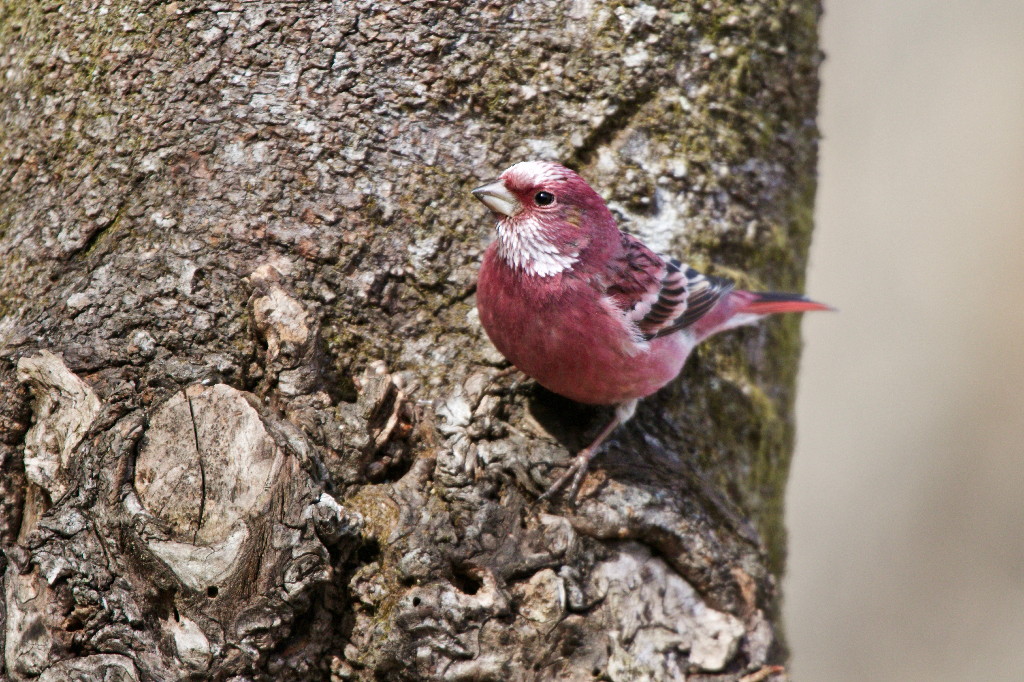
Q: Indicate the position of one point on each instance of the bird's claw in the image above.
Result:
(575, 473)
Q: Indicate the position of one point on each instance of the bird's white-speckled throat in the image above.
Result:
(524, 244)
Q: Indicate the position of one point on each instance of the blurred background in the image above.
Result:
(906, 500)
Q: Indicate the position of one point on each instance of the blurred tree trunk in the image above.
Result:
(250, 427)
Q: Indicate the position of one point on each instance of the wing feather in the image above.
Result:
(704, 293)
(672, 300)
(660, 296)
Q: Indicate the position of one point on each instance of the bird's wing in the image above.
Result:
(702, 294)
(633, 278)
(660, 296)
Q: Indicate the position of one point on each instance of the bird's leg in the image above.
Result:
(491, 388)
(578, 469)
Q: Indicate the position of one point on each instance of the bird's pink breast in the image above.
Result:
(558, 331)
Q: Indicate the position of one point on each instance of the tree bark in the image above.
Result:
(250, 427)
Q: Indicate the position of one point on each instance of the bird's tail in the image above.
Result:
(770, 302)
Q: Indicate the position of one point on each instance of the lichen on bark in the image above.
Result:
(244, 229)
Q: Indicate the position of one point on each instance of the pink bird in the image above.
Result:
(588, 311)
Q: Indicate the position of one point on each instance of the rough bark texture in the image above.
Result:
(250, 427)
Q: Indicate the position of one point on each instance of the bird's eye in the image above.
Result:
(544, 198)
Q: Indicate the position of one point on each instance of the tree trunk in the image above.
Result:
(250, 427)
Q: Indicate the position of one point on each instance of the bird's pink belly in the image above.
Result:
(601, 376)
(587, 359)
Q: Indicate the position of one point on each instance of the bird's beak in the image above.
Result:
(496, 197)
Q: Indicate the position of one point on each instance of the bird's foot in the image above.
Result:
(575, 473)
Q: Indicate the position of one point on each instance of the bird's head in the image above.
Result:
(547, 216)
